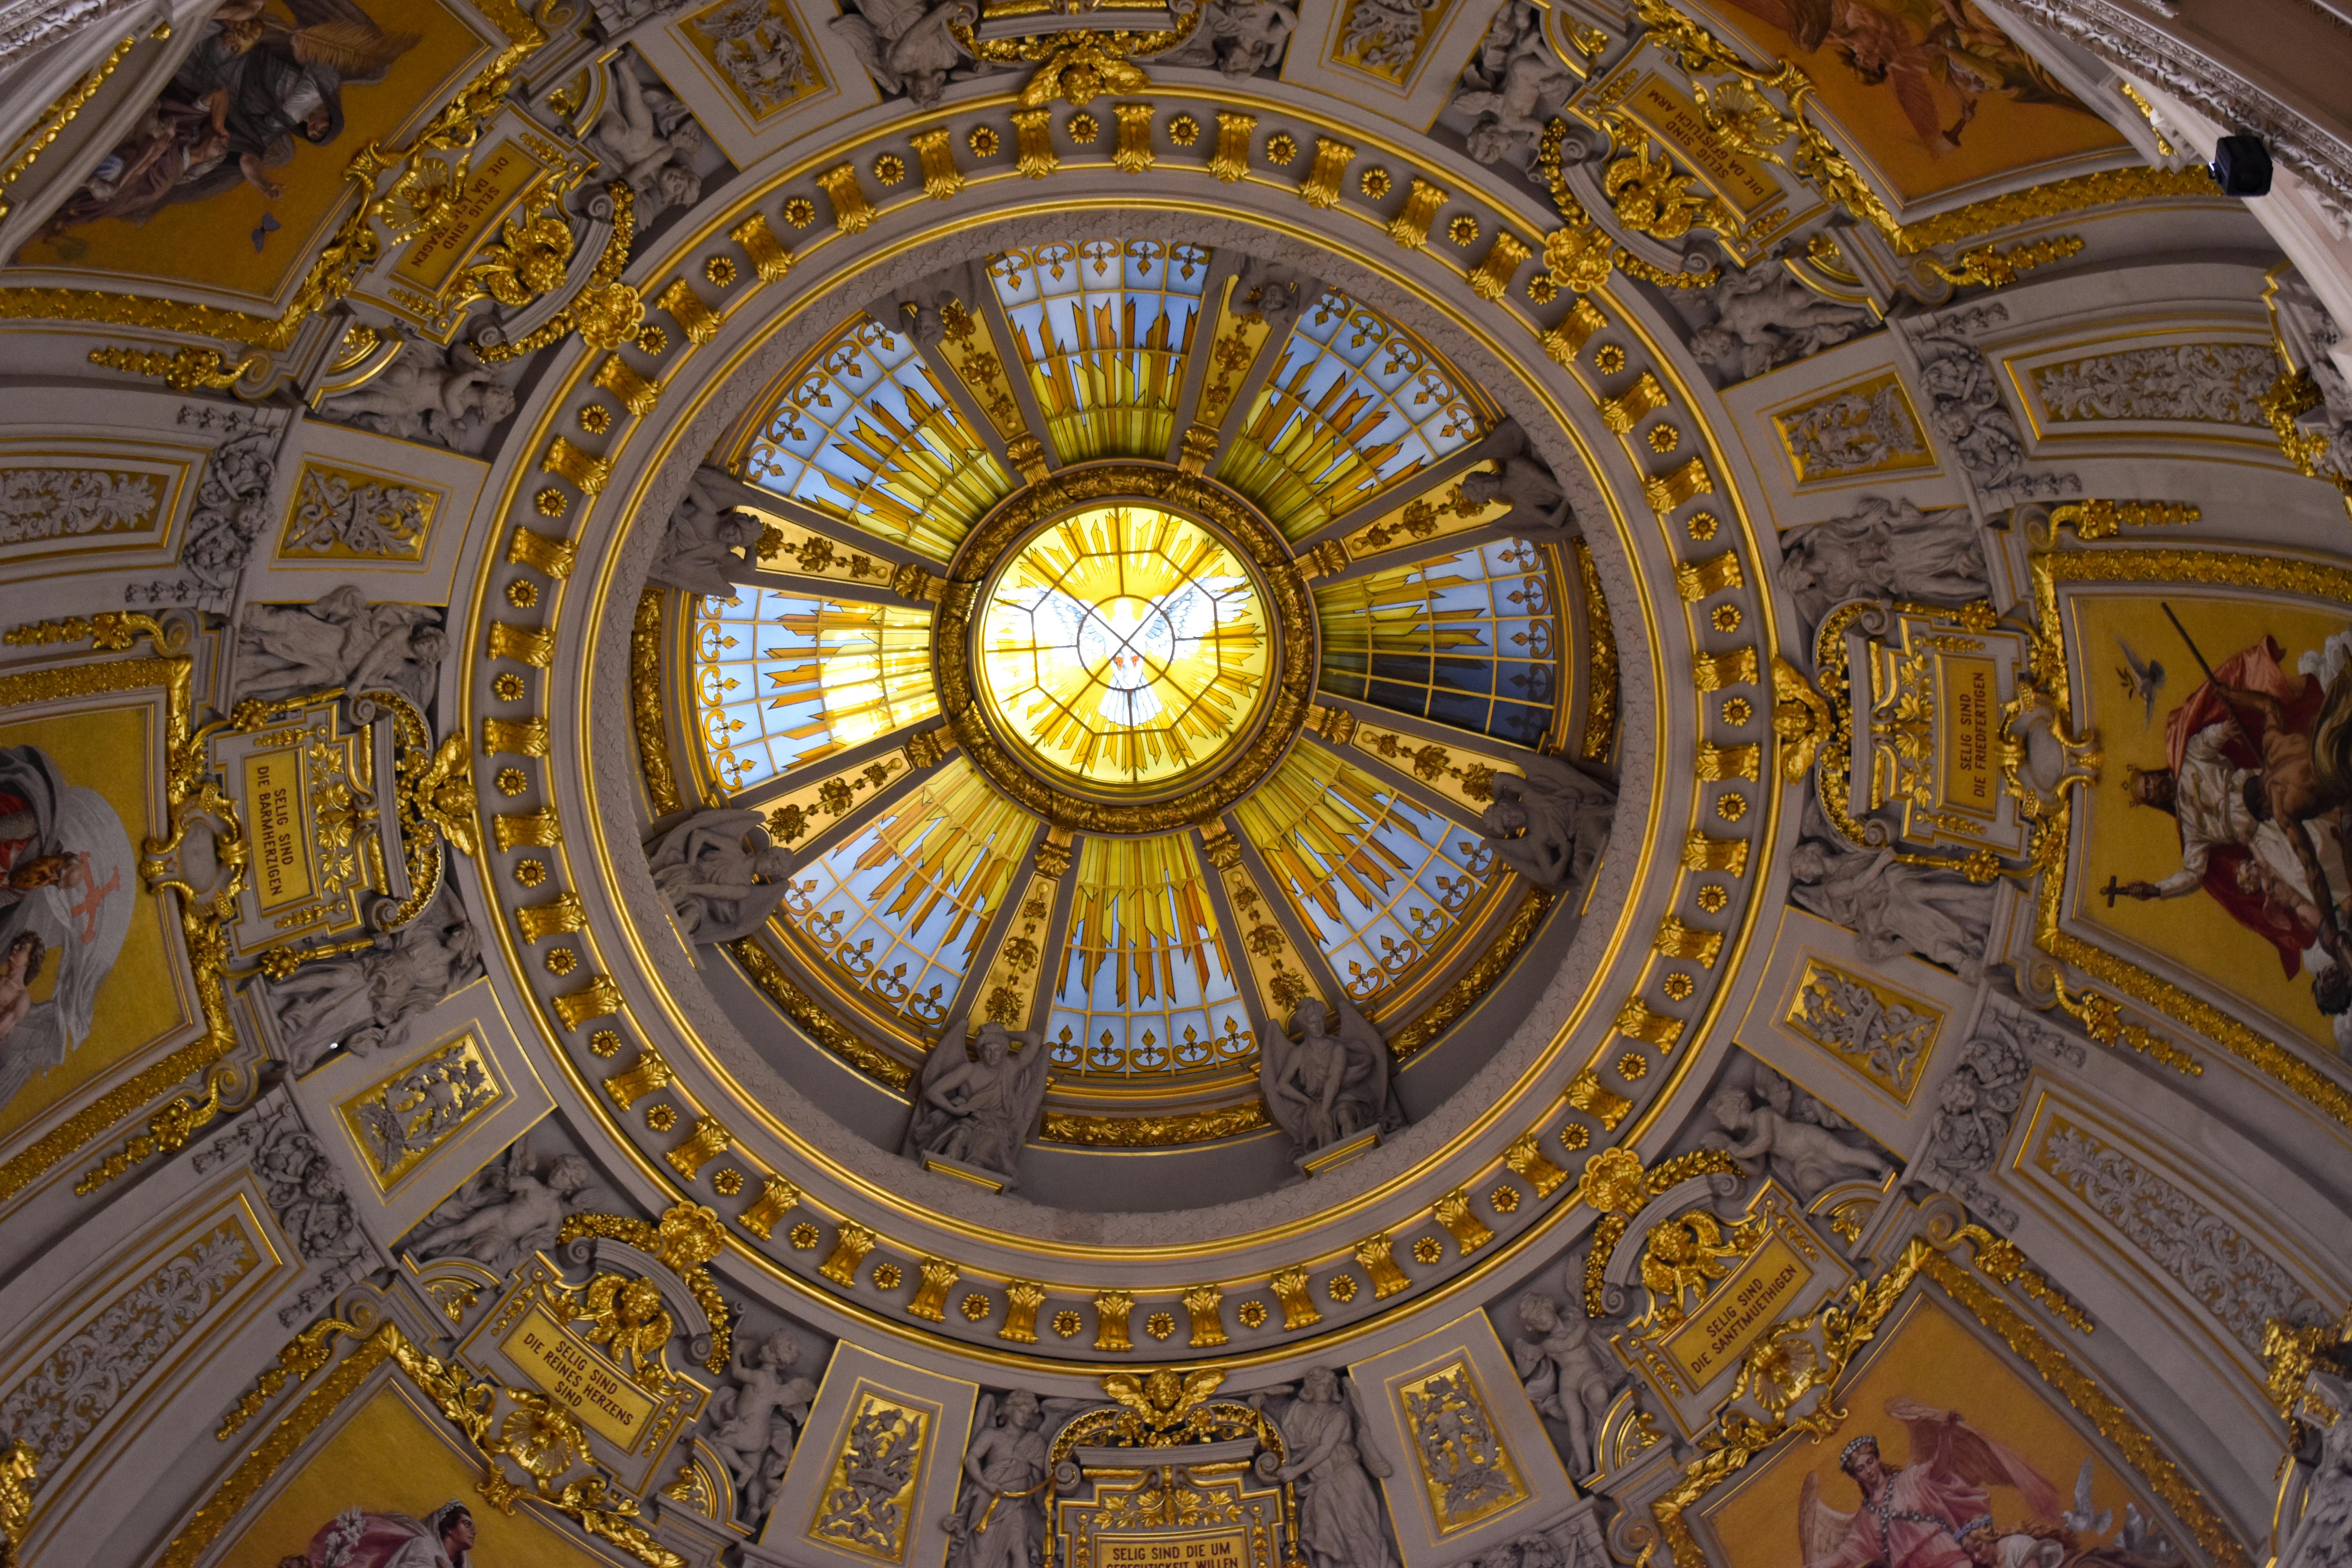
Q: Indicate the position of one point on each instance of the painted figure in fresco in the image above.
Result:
(1910, 46)
(358, 1538)
(1340, 1514)
(978, 1100)
(2259, 785)
(23, 967)
(1912, 1516)
(1000, 1515)
(254, 85)
(67, 885)
(755, 1416)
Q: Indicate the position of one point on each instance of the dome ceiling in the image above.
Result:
(1125, 658)
(973, 784)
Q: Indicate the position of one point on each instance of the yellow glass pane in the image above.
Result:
(1122, 648)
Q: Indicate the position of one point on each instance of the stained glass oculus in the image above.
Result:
(1123, 648)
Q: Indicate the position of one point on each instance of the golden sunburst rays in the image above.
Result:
(1125, 645)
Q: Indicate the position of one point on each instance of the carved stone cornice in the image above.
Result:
(2138, 45)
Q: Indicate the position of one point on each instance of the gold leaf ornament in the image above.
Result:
(1614, 1181)
(1577, 258)
(609, 316)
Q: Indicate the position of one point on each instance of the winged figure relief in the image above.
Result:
(1165, 1398)
(908, 46)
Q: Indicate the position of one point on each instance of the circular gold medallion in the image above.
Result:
(1123, 648)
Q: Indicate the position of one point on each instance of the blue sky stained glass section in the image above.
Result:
(1471, 639)
(868, 435)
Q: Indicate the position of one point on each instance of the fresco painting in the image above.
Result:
(235, 175)
(87, 982)
(389, 1491)
(1968, 1462)
(1931, 92)
(2184, 855)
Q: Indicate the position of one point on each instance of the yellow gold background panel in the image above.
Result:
(2005, 137)
(387, 1459)
(2194, 933)
(1931, 1357)
(139, 1002)
(210, 242)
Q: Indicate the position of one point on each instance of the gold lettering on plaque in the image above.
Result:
(281, 847)
(1971, 776)
(1739, 1313)
(587, 1384)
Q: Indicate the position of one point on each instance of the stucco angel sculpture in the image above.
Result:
(755, 1417)
(1329, 1083)
(1764, 317)
(978, 1098)
(1549, 825)
(908, 46)
(1569, 1375)
(365, 1000)
(1521, 481)
(1510, 85)
(1333, 1462)
(722, 874)
(505, 1211)
(1791, 1135)
(1240, 37)
(1000, 1518)
(2323, 1538)
(1274, 291)
(341, 640)
(1893, 907)
(699, 552)
(444, 395)
(647, 137)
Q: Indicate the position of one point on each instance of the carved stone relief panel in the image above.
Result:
(877, 1467)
